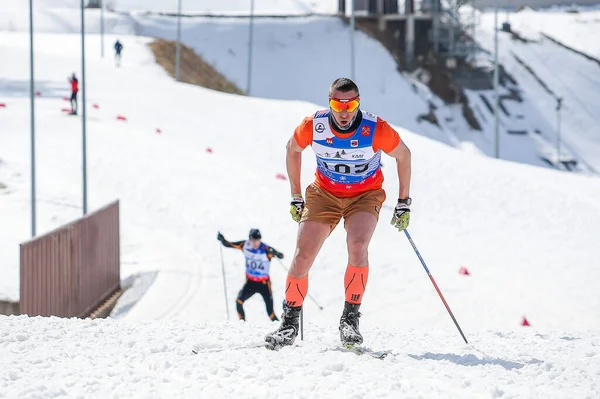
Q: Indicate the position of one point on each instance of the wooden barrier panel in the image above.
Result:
(72, 270)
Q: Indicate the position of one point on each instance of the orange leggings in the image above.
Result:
(355, 282)
(295, 290)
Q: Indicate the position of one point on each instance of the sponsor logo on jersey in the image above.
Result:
(353, 143)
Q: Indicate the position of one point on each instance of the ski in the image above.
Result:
(357, 350)
(361, 350)
(214, 350)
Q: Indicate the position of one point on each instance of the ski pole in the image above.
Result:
(434, 284)
(310, 296)
(224, 281)
(302, 324)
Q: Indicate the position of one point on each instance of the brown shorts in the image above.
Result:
(321, 206)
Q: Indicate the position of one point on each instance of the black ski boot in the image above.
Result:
(288, 330)
(349, 334)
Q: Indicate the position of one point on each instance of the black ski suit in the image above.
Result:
(258, 280)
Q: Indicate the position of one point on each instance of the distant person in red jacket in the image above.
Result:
(74, 90)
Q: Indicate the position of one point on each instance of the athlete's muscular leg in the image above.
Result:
(359, 227)
(311, 236)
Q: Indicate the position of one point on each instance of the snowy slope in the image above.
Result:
(123, 359)
(568, 75)
(574, 26)
(528, 236)
(281, 45)
(288, 53)
(465, 209)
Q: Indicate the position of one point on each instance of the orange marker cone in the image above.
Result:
(463, 270)
(525, 322)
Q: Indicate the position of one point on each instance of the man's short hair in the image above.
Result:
(344, 85)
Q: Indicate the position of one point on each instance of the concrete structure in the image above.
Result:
(421, 29)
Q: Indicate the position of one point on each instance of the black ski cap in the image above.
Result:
(255, 234)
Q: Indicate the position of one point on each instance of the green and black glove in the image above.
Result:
(296, 207)
(401, 217)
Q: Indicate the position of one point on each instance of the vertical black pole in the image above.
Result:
(83, 114)
(32, 111)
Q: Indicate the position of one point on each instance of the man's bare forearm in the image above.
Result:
(403, 164)
(293, 162)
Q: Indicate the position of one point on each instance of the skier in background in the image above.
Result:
(258, 261)
(348, 143)
(118, 47)
(74, 90)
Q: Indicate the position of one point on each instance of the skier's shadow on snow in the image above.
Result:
(472, 360)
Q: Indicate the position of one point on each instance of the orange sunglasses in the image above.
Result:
(340, 105)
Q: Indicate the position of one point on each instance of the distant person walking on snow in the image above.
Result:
(118, 48)
(348, 143)
(74, 90)
(258, 261)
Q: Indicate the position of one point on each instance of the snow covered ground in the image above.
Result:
(573, 26)
(527, 135)
(54, 358)
(528, 236)
(568, 75)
